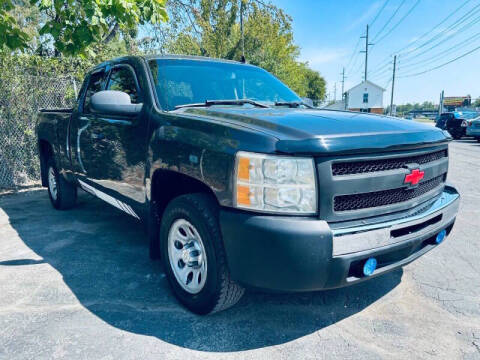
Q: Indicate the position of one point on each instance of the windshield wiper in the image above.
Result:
(292, 104)
(224, 102)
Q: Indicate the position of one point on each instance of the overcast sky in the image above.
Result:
(327, 32)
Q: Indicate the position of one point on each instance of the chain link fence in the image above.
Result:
(21, 97)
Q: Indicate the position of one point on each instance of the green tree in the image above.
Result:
(11, 35)
(73, 26)
(316, 85)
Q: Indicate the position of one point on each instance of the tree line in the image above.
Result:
(74, 35)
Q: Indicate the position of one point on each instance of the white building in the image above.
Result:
(365, 97)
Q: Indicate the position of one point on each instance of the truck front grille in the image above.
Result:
(369, 166)
(360, 186)
(385, 197)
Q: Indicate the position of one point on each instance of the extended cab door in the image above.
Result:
(112, 148)
(83, 148)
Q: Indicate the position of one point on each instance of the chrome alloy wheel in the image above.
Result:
(52, 183)
(187, 257)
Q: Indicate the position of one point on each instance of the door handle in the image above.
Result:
(98, 136)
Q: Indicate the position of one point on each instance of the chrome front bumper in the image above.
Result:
(431, 220)
(285, 253)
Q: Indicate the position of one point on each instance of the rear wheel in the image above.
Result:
(63, 195)
(193, 255)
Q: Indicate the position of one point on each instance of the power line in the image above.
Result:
(399, 22)
(382, 74)
(465, 27)
(384, 77)
(358, 68)
(438, 55)
(387, 59)
(358, 75)
(459, 21)
(379, 12)
(389, 20)
(353, 66)
(435, 27)
(353, 54)
(387, 84)
(380, 68)
(442, 65)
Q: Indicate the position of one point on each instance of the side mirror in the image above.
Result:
(114, 102)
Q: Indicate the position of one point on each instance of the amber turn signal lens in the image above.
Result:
(243, 195)
(244, 169)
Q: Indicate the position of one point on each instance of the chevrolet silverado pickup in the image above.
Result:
(241, 184)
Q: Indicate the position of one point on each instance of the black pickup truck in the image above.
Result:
(243, 185)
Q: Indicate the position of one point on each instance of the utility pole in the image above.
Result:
(344, 99)
(393, 83)
(367, 44)
(440, 106)
(241, 31)
(335, 92)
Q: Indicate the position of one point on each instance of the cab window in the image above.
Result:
(123, 79)
(95, 85)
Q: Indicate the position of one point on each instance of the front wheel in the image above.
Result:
(457, 136)
(193, 255)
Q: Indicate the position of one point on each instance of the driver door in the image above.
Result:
(117, 147)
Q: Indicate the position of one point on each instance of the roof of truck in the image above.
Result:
(188, 57)
(173, 56)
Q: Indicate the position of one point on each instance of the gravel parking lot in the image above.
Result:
(79, 285)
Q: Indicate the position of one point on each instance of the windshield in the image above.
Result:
(181, 82)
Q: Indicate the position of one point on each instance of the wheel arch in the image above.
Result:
(166, 185)
(45, 150)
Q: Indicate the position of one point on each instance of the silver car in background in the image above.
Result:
(473, 128)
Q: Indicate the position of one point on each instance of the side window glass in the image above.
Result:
(94, 86)
(123, 79)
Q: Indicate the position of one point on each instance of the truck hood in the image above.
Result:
(328, 131)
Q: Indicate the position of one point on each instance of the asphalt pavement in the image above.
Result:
(79, 284)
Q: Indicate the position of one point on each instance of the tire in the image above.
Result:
(197, 214)
(456, 136)
(63, 195)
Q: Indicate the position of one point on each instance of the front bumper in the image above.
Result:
(280, 253)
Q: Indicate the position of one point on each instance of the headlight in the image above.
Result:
(279, 184)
